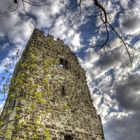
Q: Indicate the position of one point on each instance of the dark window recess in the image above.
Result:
(54, 138)
(61, 61)
(68, 137)
(63, 90)
(64, 64)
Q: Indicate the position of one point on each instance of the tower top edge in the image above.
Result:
(39, 32)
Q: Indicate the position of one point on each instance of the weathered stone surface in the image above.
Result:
(49, 98)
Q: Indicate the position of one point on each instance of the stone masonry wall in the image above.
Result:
(48, 100)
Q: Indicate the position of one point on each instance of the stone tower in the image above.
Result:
(48, 97)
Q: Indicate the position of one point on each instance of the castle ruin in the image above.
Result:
(48, 97)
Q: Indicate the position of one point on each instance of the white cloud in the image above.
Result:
(124, 4)
(126, 127)
(137, 45)
(4, 5)
(1, 106)
(14, 28)
(76, 40)
(129, 22)
(104, 71)
(128, 93)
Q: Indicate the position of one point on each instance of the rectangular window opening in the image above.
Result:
(68, 137)
(63, 90)
(64, 63)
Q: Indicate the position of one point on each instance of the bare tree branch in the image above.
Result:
(105, 21)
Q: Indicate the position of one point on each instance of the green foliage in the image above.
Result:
(46, 81)
(47, 134)
(33, 107)
(37, 120)
(8, 131)
(66, 106)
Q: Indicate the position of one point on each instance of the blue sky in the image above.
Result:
(114, 85)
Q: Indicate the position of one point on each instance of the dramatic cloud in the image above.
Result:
(129, 17)
(126, 128)
(108, 60)
(128, 93)
(129, 22)
(5, 5)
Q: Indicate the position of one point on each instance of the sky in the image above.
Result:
(113, 83)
